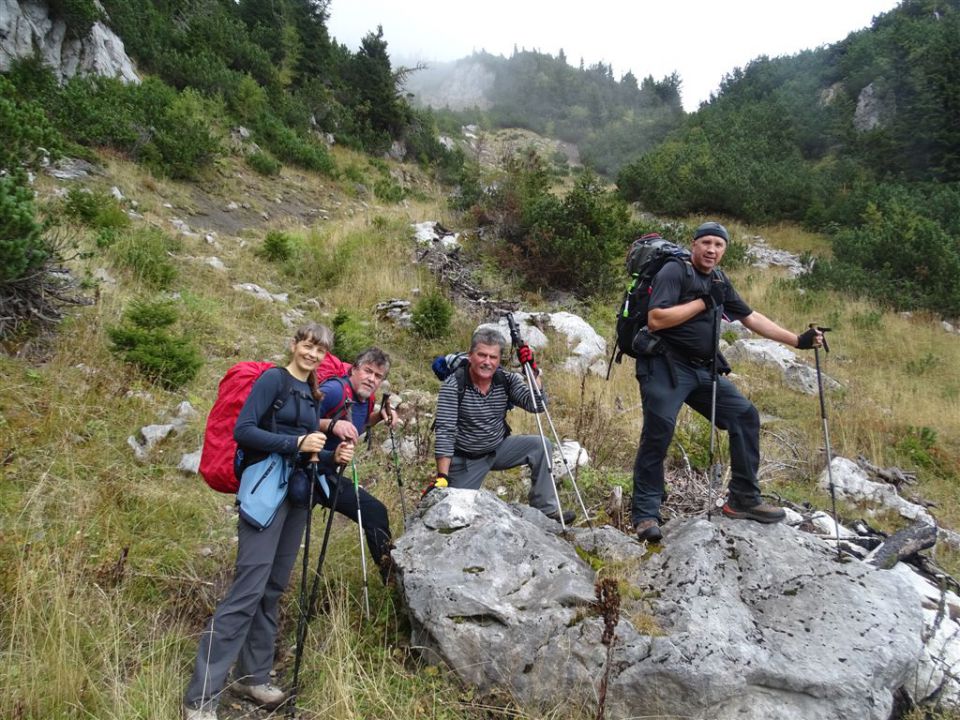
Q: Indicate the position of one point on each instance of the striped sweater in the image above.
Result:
(481, 425)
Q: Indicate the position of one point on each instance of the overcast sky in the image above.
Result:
(701, 40)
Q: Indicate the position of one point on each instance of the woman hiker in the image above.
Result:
(243, 628)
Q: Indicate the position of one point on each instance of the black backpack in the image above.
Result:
(645, 259)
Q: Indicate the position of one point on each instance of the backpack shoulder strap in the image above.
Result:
(338, 408)
(686, 282)
(461, 377)
(286, 389)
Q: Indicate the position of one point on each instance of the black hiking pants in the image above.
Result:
(662, 400)
(376, 523)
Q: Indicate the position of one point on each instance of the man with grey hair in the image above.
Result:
(471, 432)
(347, 410)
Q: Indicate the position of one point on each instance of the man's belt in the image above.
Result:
(473, 456)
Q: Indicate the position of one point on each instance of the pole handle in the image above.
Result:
(822, 331)
(515, 336)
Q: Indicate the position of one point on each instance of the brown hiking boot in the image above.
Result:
(648, 530)
(761, 512)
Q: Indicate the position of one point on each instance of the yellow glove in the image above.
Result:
(439, 482)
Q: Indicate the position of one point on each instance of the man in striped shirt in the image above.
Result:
(472, 435)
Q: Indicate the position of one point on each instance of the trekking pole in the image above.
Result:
(304, 611)
(396, 460)
(716, 467)
(826, 433)
(315, 589)
(539, 400)
(363, 549)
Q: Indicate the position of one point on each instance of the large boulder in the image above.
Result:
(763, 622)
(730, 619)
(489, 589)
(26, 28)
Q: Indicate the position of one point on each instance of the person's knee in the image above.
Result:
(543, 448)
(750, 417)
(379, 518)
(245, 597)
(657, 432)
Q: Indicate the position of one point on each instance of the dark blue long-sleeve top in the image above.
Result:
(298, 415)
(333, 391)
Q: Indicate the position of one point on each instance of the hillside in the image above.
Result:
(610, 121)
(140, 552)
(156, 207)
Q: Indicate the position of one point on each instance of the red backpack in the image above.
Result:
(219, 447)
(217, 459)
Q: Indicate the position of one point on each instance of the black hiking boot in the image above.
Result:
(648, 530)
(568, 516)
(761, 512)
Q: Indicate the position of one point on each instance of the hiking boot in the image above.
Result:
(648, 530)
(201, 713)
(265, 695)
(761, 512)
(568, 516)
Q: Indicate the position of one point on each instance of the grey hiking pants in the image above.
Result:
(515, 450)
(244, 626)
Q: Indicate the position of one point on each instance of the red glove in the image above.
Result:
(525, 356)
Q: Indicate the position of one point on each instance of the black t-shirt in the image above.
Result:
(677, 283)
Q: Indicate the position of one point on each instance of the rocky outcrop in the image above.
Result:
(851, 482)
(797, 375)
(458, 86)
(763, 256)
(730, 619)
(26, 28)
(873, 109)
(588, 351)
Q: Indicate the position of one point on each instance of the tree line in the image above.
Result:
(859, 139)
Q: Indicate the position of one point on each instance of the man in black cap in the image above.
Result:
(681, 337)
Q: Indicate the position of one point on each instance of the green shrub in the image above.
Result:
(144, 251)
(24, 127)
(22, 248)
(247, 100)
(78, 15)
(586, 231)
(901, 257)
(292, 147)
(277, 247)
(94, 110)
(143, 339)
(264, 163)
(95, 209)
(919, 445)
(185, 137)
(389, 191)
(432, 315)
(735, 255)
(352, 334)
